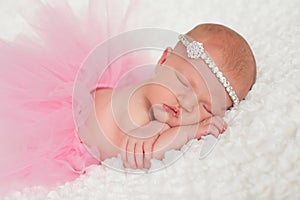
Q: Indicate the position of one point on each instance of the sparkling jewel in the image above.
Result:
(195, 49)
(183, 40)
(215, 69)
(207, 60)
(223, 80)
(211, 65)
(203, 56)
(219, 74)
(226, 83)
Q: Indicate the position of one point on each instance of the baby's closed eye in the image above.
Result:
(207, 109)
(182, 80)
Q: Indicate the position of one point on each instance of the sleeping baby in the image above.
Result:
(209, 71)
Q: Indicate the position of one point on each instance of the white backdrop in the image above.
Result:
(258, 157)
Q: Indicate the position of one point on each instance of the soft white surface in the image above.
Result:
(258, 156)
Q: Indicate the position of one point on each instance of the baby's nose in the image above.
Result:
(187, 102)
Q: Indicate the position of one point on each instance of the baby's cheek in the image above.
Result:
(163, 94)
(168, 91)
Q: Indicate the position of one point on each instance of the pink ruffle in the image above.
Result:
(39, 144)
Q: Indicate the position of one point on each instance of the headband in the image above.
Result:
(196, 50)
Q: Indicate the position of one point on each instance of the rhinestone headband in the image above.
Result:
(196, 50)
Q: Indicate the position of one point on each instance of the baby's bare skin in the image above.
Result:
(184, 101)
(130, 131)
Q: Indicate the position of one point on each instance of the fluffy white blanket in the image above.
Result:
(258, 156)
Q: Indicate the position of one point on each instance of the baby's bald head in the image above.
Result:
(230, 52)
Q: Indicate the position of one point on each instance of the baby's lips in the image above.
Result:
(167, 109)
(173, 110)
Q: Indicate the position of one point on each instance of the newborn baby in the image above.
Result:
(209, 70)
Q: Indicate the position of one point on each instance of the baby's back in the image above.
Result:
(99, 132)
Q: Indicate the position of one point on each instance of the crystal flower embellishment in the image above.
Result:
(194, 50)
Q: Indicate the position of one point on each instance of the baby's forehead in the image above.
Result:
(181, 63)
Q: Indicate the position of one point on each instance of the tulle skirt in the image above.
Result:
(39, 144)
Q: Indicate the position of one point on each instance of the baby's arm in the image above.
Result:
(176, 137)
(137, 152)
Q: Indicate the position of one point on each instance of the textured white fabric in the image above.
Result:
(258, 156)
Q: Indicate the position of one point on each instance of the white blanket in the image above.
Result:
(258, 157)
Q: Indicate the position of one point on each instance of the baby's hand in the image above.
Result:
(214, 125)
(176, 137)
(136, 152)
(137, 146)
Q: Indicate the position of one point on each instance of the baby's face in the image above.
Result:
(187, 90)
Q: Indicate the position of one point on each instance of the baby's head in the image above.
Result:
(229, 52)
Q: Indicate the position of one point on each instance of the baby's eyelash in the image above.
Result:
(207, 109)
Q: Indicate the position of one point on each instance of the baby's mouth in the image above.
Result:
(173, 110)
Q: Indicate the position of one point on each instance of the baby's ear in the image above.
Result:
(165, 54)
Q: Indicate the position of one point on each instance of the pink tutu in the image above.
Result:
(39, 144)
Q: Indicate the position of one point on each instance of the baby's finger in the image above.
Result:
(139, 156)
(148, 148)
(130, 153)
(213, 130)
(206, 129)
(123, 151)
(220, 123)
(202, 131)
(216, 121)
